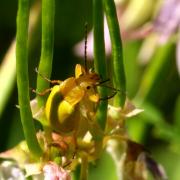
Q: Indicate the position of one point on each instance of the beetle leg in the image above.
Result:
(50, 81)
(70, 161)
(41, 93)
(55, 81)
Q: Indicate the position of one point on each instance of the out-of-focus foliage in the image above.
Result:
(154, 85)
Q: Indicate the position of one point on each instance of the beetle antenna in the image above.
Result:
(108, 97)
(112, 88)
(101, 83)
(85, 47)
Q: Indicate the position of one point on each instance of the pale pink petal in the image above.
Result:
(167, 20)
(54, 172)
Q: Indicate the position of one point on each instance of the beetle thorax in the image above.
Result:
(88, 80)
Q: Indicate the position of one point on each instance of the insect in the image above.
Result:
(63, 108)
(73, 99)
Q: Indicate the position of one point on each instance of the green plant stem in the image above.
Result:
(99, 59)
(22, 77)
(84, 167)
(76, 173)
(8, 64)
(117, 52)
(47, 45)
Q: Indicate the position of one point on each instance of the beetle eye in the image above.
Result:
(88, 87)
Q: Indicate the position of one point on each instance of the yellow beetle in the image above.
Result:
(70, 99)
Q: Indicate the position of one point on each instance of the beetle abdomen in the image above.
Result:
(62, 116)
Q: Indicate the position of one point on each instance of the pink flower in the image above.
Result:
(167, 20)
(54, 172)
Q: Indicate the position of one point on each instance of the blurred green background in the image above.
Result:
(154, 86)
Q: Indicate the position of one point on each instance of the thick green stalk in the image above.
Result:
(22, 77)
(47, 45)
(99, 59)
(117, 52)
